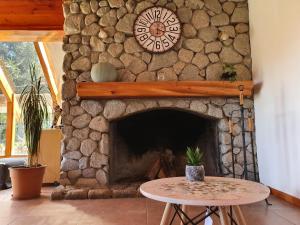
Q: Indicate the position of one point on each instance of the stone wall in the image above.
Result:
(214, 32)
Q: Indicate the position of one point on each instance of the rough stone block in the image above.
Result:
(101, 193)
(76, 194)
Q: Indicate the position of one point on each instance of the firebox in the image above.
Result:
(152, 144)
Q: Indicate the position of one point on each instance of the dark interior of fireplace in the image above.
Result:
(140, 140)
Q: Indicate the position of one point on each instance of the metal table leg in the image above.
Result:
(186, 220)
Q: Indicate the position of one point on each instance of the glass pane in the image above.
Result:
(3, 114)
(47, 123)
(17, 56)
(20, 147)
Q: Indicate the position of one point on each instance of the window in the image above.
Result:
(3, 111)
(17, 57)
(19, 147)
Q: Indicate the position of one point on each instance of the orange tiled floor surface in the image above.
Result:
(121, 212)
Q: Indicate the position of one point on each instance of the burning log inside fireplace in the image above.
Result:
(163, 167)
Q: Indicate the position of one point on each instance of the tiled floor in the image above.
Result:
(121, 212)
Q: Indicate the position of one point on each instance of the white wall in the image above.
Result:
(275, 43)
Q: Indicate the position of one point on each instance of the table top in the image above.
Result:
(213, 191)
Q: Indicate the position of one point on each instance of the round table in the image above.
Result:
(220, 195)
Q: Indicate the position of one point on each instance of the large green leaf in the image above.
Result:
(194, 156)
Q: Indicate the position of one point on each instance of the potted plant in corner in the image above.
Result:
(27, 180)
(194, 171)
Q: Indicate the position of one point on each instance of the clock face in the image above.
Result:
(157, 29)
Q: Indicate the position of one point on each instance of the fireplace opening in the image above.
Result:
(143, 140)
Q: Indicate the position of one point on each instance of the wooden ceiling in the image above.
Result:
(33, 20)
(31, 15)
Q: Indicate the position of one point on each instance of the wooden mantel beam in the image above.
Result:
(31, 15)
(114, 90)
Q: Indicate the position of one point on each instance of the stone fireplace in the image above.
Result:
(112, 140)
(121, 141)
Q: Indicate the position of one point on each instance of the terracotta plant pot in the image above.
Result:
(26, 181)
(194, 173)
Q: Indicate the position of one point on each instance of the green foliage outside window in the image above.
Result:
(2, 133)
(17, 56)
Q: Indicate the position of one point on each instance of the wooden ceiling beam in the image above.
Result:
(47, 67)
(31, 15)
(31, 35)
(12, 106)
(5, 85)
(10, 126)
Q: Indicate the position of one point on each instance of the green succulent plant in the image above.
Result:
(194, 156)
(229, 72)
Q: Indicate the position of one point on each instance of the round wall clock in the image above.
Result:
(157, 29)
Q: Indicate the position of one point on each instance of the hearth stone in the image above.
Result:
(76, 194)
(102, 192)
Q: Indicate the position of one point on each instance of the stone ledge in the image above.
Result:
(105, 192)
